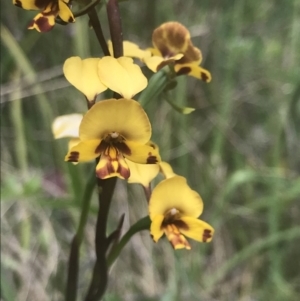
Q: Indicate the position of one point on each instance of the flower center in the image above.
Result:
(171, 215)
(114, 135)
(173, 211)
(112, 145)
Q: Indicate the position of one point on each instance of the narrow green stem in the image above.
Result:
(95, 22)
(156, 86)
(71, 290)
(86, 9)
(142, 224)
(18, 124)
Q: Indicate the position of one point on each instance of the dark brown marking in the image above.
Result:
(122, 147)
(206, 235)
(151, 159)
(204, 76)
(74, 156)
(184, 70)
(101, 147)
(180, 224)
(105, 170)
(124, 172)
(18, 3)
(43, 24)
(164, 63)
(44, 3)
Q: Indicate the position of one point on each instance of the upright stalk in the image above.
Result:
(105, 187)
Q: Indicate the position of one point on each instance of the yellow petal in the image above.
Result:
(197, 229)
(122, 76)
(109, 167)
(65, 13)
(153, 62)
(32, 4)
(177, 240)
(156, 229)
(66, 126)
(142, 173)
(154, 51)
(83, 75)
(124, 116)
(84, 151)
(166, 170)
(143, 154)
(175, 193)
(130, 50)
(133, 50)
(193, 70)
(42, 22)
(73, 142)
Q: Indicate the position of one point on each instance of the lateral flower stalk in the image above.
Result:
(174, 209)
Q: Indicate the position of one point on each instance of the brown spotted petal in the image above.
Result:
(83, 151)
(194, 70)
(191, 55)
(177, 240)
(171, 38)
(143, 154)
(43, 22)
(196, 229)
(65, 13)
(32, 4)
(110, 166)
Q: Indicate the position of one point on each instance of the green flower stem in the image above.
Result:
(95, 22)
(71, 290)
(18, 124)
(176, 107)
(86, 9)
(156, 86)
(115, 27)
(142, 224)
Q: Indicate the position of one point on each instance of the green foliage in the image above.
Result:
(239, 149)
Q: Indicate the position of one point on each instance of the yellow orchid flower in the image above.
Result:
(144, 174)
(67, 126)
(174, 209)
(94, 75)
(114, 129)
(50, 9)
(172, 45)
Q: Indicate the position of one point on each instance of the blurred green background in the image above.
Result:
(239, 150)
